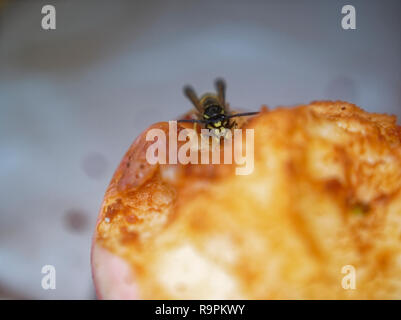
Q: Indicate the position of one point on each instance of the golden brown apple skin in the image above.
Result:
(325, 193)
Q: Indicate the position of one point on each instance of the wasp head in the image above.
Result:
(215, 116)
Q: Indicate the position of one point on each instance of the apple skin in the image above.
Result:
(316, 163)
(112, 276)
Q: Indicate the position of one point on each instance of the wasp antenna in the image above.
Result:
(190, 93)
(220, 85)
(245, 114)
(191, 120)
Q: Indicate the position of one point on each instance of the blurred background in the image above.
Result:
(73, 99)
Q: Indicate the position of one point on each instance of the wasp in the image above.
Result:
(212, 110)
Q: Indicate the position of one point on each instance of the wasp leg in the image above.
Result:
(233, 125)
